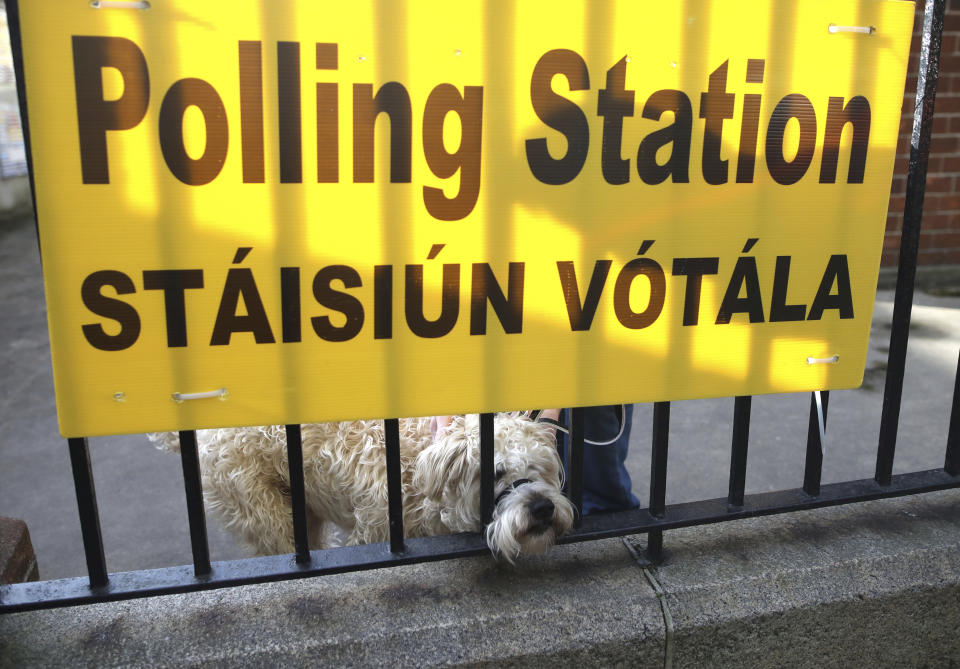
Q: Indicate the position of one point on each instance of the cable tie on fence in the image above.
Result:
(182, 397)
(833, 28)
(820, 423)
(823, 361)
(120, 4)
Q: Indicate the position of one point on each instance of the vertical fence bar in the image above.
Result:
(563, 449)
(298, 498)
(813, 468)
(910, 236)
(658, 476)
(952, 461)
(576, 461)
(738, 452)
(486, 467)
(391, 428)
(87, 506)
(16, 47)
(194, 491)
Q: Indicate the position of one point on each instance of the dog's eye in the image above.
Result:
(500, 471)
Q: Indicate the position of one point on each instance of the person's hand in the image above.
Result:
(552, 414)
(438, 425)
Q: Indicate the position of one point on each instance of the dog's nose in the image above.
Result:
(541, 509)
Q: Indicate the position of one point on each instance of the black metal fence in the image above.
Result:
(653, 520)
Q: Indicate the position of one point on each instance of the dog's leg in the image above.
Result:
(255, 507)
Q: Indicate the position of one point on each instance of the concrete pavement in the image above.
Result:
(865, 585)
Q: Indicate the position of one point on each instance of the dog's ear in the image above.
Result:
(447, 460)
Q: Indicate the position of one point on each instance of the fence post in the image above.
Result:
(910, 235)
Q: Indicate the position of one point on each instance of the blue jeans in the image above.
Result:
(606, 483)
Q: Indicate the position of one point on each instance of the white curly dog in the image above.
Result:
(246, 483)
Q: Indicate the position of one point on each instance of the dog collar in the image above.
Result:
(509, 489)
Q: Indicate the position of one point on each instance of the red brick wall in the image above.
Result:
(940, 231)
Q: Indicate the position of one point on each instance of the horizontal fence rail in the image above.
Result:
(173, 580)
(658, 517)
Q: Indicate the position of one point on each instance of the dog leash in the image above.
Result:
(535, 416)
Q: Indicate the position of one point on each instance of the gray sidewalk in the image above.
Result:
(141, 497)
(868, 585)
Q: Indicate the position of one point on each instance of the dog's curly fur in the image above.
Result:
(246, 482)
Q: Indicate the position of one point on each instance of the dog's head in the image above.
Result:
(530, 510)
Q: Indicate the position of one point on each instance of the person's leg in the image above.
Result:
(606, 482)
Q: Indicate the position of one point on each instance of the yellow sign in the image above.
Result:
(255, 212)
